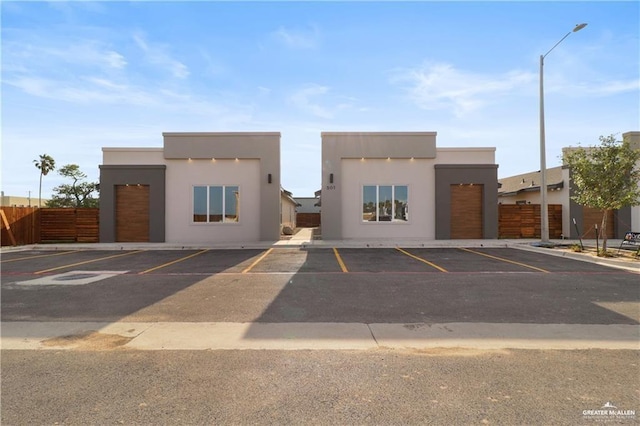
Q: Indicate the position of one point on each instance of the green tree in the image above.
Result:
(76, 194)
(45, 164)
(605, 177)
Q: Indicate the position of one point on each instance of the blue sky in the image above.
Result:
(79, 76)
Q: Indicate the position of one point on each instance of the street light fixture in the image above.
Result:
(544, 210)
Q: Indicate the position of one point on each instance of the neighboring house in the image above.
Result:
(12, 201)
(308, 204)
(287, 210)
(399, 185)
(525, 189)
(197, 188)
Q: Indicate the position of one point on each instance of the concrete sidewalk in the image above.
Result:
(313, 336)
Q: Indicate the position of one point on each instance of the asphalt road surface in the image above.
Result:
(441, 387)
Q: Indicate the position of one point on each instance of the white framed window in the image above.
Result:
(216, 204)
(385, 203)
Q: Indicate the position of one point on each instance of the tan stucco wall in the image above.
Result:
(353, 159)
(250, 160)
(112, 156)
(183, 175)
(339, 146)
(417, 174)
(287, 212)
(466, 156)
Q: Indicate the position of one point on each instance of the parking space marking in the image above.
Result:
(340, 261)
(88, 261)
(505, 260)
(173, 262)
(37, 256)
(439, 268)
(250, 267)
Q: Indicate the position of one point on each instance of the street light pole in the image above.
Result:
(544, 209)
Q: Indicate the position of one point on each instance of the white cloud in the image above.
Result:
(95, 91)
(609, 88)
(304, 99)
(157, 55)
(86, 90)
(264, 91)
(115, 60)
(37, 54)
(441, 86)
(94, 75)
(298, 38)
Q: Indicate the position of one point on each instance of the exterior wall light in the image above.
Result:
(330, 177)
(269, 178)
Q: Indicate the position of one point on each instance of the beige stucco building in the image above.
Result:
(197, 188)
(399, 185)
(12, 201)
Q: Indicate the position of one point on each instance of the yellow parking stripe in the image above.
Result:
(439, 268)
(88, 261)
(339, 259)
(172, 262)
(506, 260)
(257, 260)
(37, 256)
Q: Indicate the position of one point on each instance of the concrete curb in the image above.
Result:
(314, 336)
(627, 265)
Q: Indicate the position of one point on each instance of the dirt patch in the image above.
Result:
(623, 254)
(90, 340)
(455, 352)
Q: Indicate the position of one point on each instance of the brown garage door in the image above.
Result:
(591, 217)
(466, 211)
(132, 213)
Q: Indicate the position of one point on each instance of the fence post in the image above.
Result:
(6, 225)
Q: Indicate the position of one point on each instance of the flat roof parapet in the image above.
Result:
(379, 133)
(224, 134)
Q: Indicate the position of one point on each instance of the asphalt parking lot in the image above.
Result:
(335, 336)
(384, 285)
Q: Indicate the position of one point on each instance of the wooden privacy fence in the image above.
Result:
(20, 225)
(31, 225)
(523, 221)
(307, 220)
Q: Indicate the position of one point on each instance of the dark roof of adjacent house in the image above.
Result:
(514, 185)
